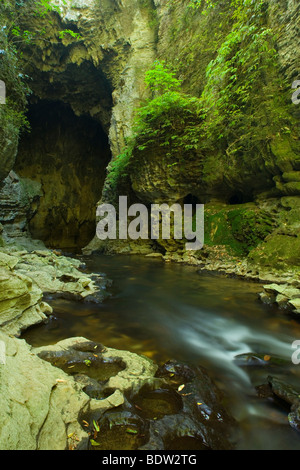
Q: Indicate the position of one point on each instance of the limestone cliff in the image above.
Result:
(248, 178)
(87, 69)
(85, 88)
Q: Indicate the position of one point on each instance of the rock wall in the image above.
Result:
(102, 73)
(247, 196)
(212, 173)
(84, 93)
(66, 156)
(97, 73)
(12, 110)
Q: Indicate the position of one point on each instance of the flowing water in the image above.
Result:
(166, 310)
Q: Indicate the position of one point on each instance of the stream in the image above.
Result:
(168, 310)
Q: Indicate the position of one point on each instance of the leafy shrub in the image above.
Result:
(169, 119)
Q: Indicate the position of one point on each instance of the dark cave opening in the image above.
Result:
(67, 155)
(191, 200)
(238, 198)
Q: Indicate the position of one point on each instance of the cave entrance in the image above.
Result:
(68, 156)
(192, 200)
(239, 198)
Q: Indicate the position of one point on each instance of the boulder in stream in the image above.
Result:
(285, 395)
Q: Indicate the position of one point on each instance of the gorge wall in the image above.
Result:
(87, 84)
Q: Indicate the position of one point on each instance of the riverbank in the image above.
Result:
(280, 287)
(52, 397)
(47, 397)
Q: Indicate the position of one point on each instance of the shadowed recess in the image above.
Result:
(68, 156)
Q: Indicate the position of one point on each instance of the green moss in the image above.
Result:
(291, 176)
(279, 251)
(240, 229)
(12, 113)
(281, 147)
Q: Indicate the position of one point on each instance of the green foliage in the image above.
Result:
(43, 7)
(250, 227)
(242, 114)
(240, 81)
(208, 4)
(239, 229)
(13, 33)
(12, 113)
(70, 32)
(160, 79)
(117, 170)
(169, 119)
(16, 11)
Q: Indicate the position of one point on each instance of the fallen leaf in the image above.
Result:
(94, 443)
(131, 431)
(181, 387)
(96, 426)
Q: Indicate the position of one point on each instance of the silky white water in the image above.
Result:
(167, 311)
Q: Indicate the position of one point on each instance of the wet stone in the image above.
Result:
(120, 431)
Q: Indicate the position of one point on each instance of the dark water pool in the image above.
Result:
(166, 311)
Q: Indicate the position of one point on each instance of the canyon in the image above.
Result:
(81, 127)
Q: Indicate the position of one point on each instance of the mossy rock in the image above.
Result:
(285, 155)
(278, 252)
(292, 176)
(291, 215)
(240, 228)
(289, 189)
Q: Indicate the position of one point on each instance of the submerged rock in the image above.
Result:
(260, 360)
(284, 295)
(202, 405)
(82, 395)
(284, 394)
(284, 391)
(178, 408)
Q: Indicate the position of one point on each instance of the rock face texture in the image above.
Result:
(87, 69)
(36, 399)
(87, 72)
(27, 277)
(18, 200)
(44, 408)
(21, 303)
(252, 197)
(209, 174)
(61, 396)
(85, 92)
(66, 156)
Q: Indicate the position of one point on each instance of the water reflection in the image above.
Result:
(169, 311)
